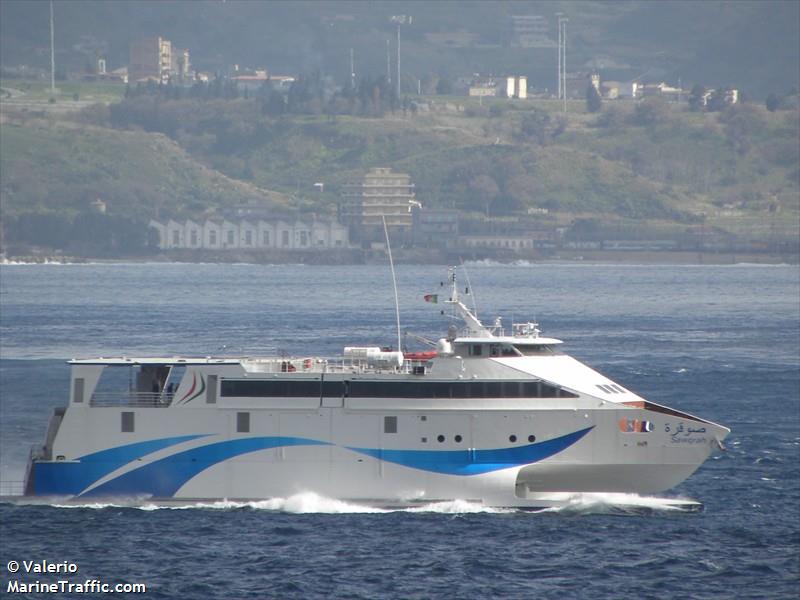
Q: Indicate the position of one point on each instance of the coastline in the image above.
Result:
(417, 257)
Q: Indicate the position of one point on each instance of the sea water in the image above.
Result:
(719, 342)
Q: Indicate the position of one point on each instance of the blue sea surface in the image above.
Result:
(722, 342)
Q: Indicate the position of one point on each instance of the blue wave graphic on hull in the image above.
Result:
(164, 477)
(472, 461)
(70, 478)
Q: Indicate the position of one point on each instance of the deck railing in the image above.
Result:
(319, 365)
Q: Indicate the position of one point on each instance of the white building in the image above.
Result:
(248, 235)
(283, 235)
(497, 242)
(212, 235)
(220, 235)
(517, 87)
(266, 234)
(193, 235)
(302, 236)
(175, 234)
(230, 235)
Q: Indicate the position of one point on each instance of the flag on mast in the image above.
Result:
(434, 298)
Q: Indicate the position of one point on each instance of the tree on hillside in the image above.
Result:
(773, 102)
(537, 126)
(593, 100)
(742, 123)
(611, 118)
(274, 105)
(696, 98)
(716, 102)
(444, 86)
(485, 190)
(651, 111)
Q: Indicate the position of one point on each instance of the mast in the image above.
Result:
(474, 326)
(394, 283)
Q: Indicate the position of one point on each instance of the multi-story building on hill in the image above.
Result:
(381, 194)
(151, 58)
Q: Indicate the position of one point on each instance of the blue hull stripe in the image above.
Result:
(164, 477)
(475, 462)
(70, 478)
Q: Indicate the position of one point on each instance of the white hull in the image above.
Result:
(343, 453)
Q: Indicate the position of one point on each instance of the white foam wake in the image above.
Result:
(607, 502)
(312, 503)
(302, 503)
(457, 507)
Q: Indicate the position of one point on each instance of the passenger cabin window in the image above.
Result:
(242, 422)
(127, 422)
(389, 424)
(358, 388)
(77, 389)
(211, 390)
(278, 388)
(502, 350)
(536, 349)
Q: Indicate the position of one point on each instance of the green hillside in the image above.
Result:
(60, 166)
(643, 163)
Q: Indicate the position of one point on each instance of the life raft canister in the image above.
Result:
(420, 355)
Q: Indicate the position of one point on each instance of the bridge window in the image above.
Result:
(536, 349)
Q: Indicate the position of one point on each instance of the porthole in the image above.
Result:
(440, 438)
(457, 439)
(531, 438)
(512, 438)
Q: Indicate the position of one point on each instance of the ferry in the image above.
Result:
(501, 418)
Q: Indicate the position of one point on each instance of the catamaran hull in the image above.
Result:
(499, 458)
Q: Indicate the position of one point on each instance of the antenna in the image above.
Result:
(52, 52)
(352, 71)
(388, 63)
(394, 284)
